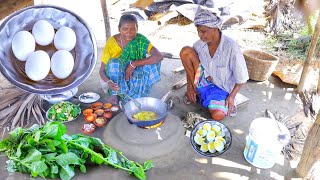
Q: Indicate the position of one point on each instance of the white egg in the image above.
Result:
(38, 65)
(211, 147)
(43, 32)
(62, 63)
(207, 126)
(65, 39)
(23, 45)
(202, 132)
(198, 139)
(211, 135)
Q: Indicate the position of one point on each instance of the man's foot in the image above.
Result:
(113, 99)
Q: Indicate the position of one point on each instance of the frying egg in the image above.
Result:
(207, 126)
(38, 65)
(211, 147)
(198, 139)
(65, 39)
(62, 63)
(204, 147)
(23, 45)
(211, 135)
(216, 128)
(202, 132)
(43, 32)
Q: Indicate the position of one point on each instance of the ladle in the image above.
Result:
(133, 100)
(282, 137)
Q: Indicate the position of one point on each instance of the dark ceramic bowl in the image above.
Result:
(196, 147)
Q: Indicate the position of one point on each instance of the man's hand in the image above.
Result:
(230, 104)
(192, 93)
(129, 72)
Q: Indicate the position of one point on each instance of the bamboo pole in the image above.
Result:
(105, 18)
(307, 63)
(311, 150)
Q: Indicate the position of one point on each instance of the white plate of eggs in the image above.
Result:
(46, 49)
(210, 138)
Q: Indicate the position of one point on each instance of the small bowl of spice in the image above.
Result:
(99, 112)
(87, 111)
(88, 128)
(97, 105)
(100, 121)
(90, 117)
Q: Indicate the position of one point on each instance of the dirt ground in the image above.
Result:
(173, 156)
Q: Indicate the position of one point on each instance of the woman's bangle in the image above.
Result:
(132, 65)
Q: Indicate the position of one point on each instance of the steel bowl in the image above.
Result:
(228, 138)
(155, 105)
(84, 52)
(52, 120)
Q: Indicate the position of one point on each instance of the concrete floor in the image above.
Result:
(177, 160)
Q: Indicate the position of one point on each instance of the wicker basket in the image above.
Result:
(260, 64)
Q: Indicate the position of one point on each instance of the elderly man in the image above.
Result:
(215, 67)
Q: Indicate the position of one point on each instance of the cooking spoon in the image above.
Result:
(282, 137)
(133, 100)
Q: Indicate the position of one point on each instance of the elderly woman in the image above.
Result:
(125, 66)
(215, 67)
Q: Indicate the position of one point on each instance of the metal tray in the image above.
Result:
(62, 121)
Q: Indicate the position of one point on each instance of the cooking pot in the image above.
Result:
(155, 105)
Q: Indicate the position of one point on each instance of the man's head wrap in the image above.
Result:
(207, 18)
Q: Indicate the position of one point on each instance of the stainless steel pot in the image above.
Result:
(158, 106)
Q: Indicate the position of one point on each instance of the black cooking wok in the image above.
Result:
(155, 105)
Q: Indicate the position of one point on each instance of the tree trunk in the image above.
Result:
(309, 56)
(311, 150)
(105, 18)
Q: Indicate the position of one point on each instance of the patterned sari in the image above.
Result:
(143, 77)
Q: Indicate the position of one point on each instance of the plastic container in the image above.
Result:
(263, 147)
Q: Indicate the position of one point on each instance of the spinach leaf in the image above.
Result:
(66, 172)
(68, 158)
(33, 155)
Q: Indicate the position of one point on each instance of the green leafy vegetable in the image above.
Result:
(63, 111)
(48, 152)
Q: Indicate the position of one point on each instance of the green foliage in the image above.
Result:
(49, 152)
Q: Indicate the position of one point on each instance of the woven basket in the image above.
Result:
(260, 64)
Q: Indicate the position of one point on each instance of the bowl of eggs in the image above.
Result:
(46, 49)
(210, 138)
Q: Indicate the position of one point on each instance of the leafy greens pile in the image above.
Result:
(48, 152)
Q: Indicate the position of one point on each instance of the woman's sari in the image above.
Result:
(143, 77)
